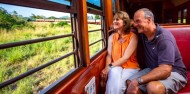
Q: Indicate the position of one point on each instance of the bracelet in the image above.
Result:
(110, 65)
(140, 81)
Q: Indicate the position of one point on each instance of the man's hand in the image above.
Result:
(133, 87)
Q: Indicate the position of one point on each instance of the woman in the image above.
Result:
(121, 61)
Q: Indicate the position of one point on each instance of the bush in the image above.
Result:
(62, 23)
(17, 26)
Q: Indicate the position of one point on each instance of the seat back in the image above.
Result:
(182, 36)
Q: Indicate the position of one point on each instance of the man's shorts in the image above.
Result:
(173, 83)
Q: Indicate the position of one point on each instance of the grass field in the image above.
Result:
(17, 60)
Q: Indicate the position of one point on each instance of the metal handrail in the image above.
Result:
(14, 44)
(95, 42)
(95, 30)
(12, 80)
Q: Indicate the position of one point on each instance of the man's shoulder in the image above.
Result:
(165, 35)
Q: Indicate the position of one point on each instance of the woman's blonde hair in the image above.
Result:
(126, 20)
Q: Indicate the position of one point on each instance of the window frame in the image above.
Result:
(98, 11)
(81, 58)
(47, 5)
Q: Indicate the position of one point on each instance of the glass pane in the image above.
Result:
(18, 60)
(34, 83)
(184, 15)
(179, 13)
(23, 23)
(94, 2)
(65, 2)
(94, 23)
(94, 36)
(95, 48)
(113, 6)
(179, 16)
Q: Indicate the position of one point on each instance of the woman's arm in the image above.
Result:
(104, 73)
(108, 57)
(109, 49)
(128, 52)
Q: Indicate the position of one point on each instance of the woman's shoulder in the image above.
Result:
(114, 34)
(132, 35)
(111, 36)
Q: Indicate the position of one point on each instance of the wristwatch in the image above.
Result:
(110, 65)
(140, 81)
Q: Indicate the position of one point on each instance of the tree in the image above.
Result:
(8, 21)
(52, 17)
(39, 17)
(14, 13)
(97, 17)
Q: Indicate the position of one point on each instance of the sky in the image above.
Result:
(27, 12)
(61, 2)
(95, 2)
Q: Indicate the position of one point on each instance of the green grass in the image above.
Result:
(93, 37)
(18, 60)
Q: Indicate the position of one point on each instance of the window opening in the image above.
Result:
(96, 35)
(179, 16)
(29, 51)
(185, 16)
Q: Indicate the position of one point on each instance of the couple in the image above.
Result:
(165, 72)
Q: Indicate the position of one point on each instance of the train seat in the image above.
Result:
(182, 36)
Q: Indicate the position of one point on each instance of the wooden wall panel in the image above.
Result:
(92, 70)
(83, 32)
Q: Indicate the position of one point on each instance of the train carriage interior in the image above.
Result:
(77, 51)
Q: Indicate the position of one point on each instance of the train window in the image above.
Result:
(113, 6)
(95, 33)
(65, 2)
(184, 15)
(179, 16)
(34, 43)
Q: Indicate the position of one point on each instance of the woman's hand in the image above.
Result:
(104, 72)
(104, 76)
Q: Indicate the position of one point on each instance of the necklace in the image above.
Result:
(121, 40)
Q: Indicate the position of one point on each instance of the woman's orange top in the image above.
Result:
(118, 50)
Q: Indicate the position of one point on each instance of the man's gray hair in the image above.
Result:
(147, 13)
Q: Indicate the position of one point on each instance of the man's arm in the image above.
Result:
(161, 72)
(166, 57)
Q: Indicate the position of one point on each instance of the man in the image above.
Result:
(165, 72)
